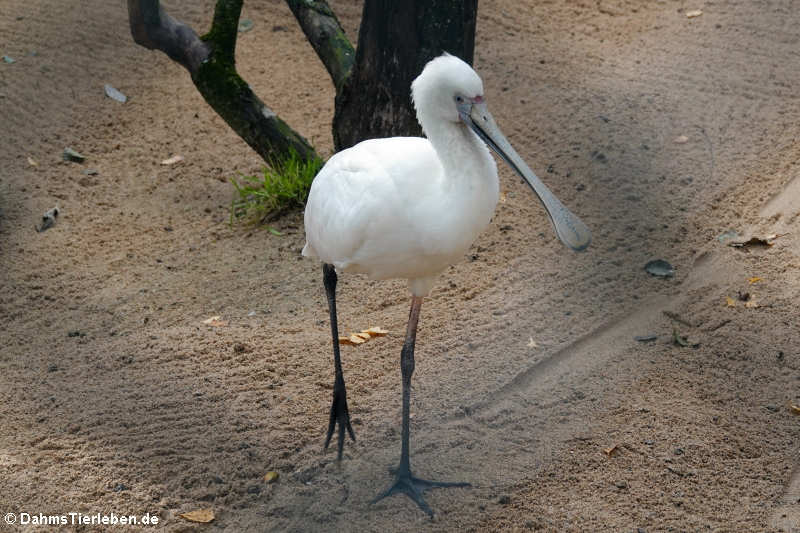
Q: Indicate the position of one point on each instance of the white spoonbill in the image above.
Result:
(408, 207)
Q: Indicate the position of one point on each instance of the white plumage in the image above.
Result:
(406, 207)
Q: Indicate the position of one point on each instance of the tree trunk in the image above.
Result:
(395, 41)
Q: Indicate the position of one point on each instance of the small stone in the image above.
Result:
(254, 489)
(90, 172)
(773, 408)
(659, 268)
(52, 367)
(679, 451)
(621, 485)
(245, 25)
(505, 499)
(119, 487)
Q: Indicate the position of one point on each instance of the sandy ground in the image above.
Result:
(117, 398)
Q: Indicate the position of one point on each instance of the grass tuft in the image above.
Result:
(260, 199)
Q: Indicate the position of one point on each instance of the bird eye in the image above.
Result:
(459, 99)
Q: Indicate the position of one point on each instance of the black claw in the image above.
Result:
(340, 415)
(414, 487)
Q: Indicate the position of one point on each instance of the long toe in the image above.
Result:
(414, 487)
(339, 416)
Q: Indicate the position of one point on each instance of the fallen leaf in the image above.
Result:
(274, 231)
(680, 340)
(32, 162)
(681, 139)
(71, 155)
(362, 336)
(755, 241)
(203, 516)
(352, 340)
(751, 304)
(172, 160)
(610, 451)
(271, 476)
(215, 321)
(730, 301)
(503, 197)
(754, 279)
(794, 408)
(693, 13)
(645, 338)
(115, 94)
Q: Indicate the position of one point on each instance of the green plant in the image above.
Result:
(259, 199)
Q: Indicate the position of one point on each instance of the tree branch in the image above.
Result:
(326, 35)
(210, 60)
(153, 28)
(225, 29)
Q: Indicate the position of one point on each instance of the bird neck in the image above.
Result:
(465, 158)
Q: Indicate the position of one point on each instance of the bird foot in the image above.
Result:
(339, 415)
(414, 487)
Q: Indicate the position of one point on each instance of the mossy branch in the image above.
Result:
(210, 60)
(326, 36)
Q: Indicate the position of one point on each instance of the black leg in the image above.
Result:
(339, 413)
(406, 483)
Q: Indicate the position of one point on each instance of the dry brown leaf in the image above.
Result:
(203, 516)
(755, 241)
(352, 340)
(730, 301)
(681, 139)
(32, 162)
(215, 321)
(754, 279)
(751, 303)
(610, 451)
(271, 476)
(172, 160)
(503, 196)
(362, 336)
(794, 408)
(693, 13)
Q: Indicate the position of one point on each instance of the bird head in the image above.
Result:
(444, 87)
(448, 91)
